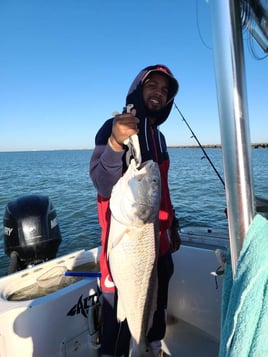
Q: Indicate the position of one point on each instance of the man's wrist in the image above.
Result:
(114, 145)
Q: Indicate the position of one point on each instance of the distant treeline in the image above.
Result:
(217, 146)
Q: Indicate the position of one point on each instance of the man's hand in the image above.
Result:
(124, 125)
(175, 240)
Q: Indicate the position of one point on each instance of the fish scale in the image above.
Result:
(133, 249)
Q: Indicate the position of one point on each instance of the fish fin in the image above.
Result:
(140, 349)
(117, 232)
(117, 240)
(121, 315)
(132, 234)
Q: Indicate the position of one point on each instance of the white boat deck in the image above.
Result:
(183, 339)
(193, 328)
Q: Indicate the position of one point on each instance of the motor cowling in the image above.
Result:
(31, 231)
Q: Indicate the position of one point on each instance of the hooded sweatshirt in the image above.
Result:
(107, 166)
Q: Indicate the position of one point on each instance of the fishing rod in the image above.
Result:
(201, 147)
(261, 203)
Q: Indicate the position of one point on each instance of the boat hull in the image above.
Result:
(58, 324)
(61, 323)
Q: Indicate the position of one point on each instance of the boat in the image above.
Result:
(44, 313)
(57, 316)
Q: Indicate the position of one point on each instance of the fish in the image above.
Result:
(133, 246)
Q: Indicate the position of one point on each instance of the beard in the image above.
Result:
(157, 114)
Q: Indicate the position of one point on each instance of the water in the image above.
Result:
(197, 193)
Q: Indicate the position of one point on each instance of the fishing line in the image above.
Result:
(199, 28)
(261, 202)
(201, 147)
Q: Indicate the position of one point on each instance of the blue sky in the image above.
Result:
(66, 65)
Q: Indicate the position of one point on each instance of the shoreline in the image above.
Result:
(215, 146)
(207, 146)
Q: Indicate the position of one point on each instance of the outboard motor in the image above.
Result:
(31, 231)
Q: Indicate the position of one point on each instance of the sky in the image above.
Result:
(66, 66)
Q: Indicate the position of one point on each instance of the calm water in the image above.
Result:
(197, 193)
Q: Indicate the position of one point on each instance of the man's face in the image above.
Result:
(155, 92)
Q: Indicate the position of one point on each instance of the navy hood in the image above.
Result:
(135, 97)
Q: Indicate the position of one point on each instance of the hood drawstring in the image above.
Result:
(154, 144)
(146, 133)
(146, 129)
(159, 140)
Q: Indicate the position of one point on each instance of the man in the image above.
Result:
(151, 94)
